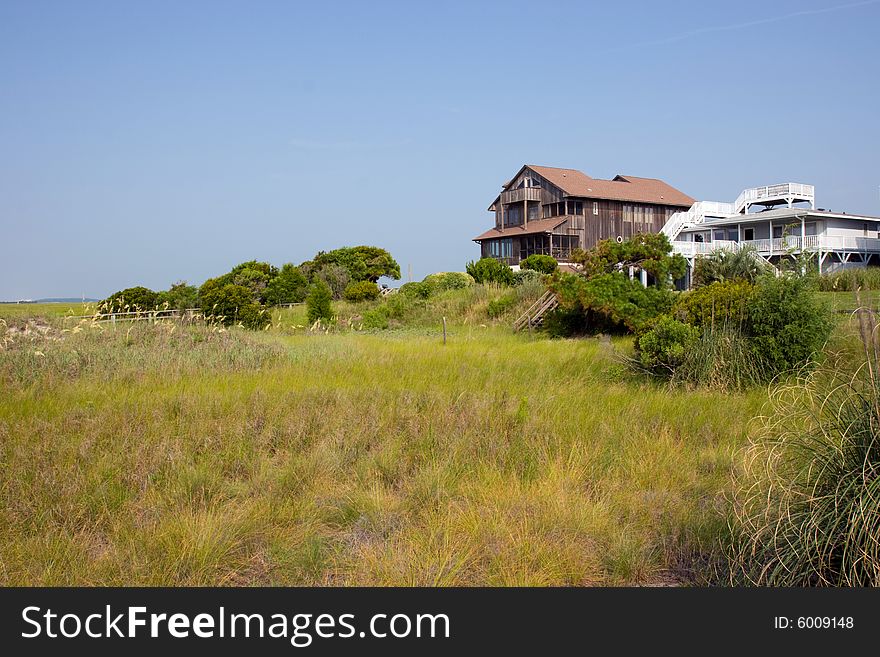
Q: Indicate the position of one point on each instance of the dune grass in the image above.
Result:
(164, 454)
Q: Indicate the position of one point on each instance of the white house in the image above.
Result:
(785, 224)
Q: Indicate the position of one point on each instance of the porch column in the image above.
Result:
(525, 211)
(771, 238)
(643, 277)
(803, 233)
(551, 245)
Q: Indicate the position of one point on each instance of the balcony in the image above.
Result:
(520, 195)
(783, 245)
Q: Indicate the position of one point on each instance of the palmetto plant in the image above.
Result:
(724, 265)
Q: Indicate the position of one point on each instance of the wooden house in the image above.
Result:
(553, 211)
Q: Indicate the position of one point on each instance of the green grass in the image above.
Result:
(48, 310)
(183, 456)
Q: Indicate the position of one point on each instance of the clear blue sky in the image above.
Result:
(142, 143)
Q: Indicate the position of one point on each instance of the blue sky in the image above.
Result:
(143, 143)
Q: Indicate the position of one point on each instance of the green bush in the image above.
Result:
(664, 347)
(131, 299)
(361, 291)
(721, 266)
(179, 297)
(525, 276)
(318, 306)
(289, 286)
(542, 264)
(450, 280)
(501, 305)
(787, 323)
(716, 304)
(608, 302)
(361, 263)
(376, 318)
(415, 290)
(232, 304)
(490, 270)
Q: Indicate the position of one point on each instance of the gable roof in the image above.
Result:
(621, 188)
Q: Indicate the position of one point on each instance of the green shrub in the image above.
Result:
(524, 276)
(376, 318)
(415, 290)
(609, 302)
(361, 291)
(664, 346)
(450, 280)
(232, 304)
(543, 264)
(289, 286)
(721, 266)
(490, 270)
(787, 323)
(131, 299)
(179, 297)
(501, 305)
(716, 304)
(361, 263)
(318, 306)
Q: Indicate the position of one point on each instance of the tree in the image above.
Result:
(363, 263)
(336, 277)
(232, 304)
(609, 302)
(132, 299)
(318, 302)
(649, 252)
(179, 296)
(289, 286)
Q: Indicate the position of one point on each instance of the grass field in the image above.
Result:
(165, 455)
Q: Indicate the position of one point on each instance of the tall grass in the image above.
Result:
(348, 458)
(721, 359)
(807, 506)
(862, 278)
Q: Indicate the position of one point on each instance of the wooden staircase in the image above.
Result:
(534, 316)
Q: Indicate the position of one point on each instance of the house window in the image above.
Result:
(748, 234)
(733, 234)
(578, 207)
(777, 232)
(719, 235)
(810, 228)
(595, 207)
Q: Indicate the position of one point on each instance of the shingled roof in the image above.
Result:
(534, 226)
(621, 188)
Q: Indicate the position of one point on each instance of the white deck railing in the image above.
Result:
(696, 214)
(782, 191)
(782, 245)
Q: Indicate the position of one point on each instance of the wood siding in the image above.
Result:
(614, 218)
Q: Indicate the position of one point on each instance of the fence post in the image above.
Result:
(444, 330)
